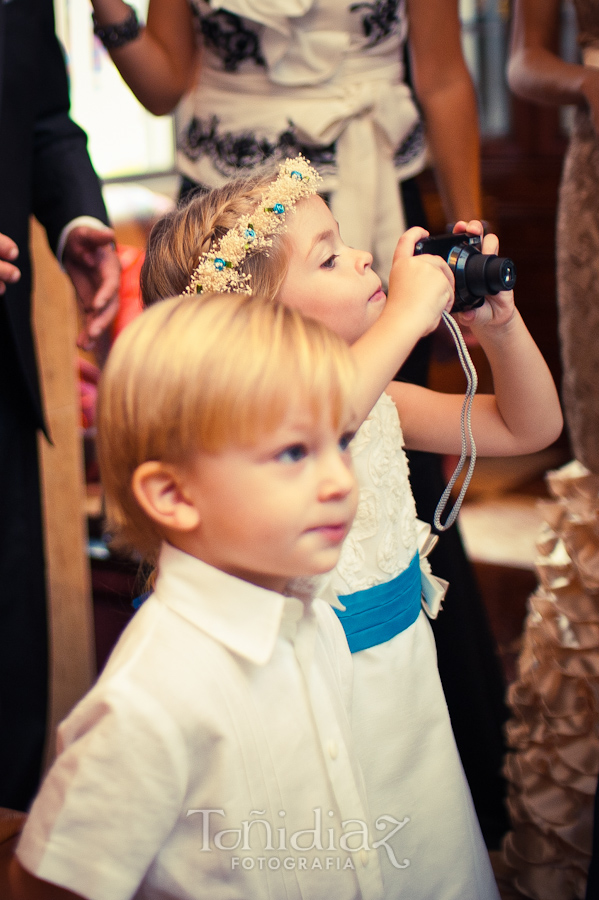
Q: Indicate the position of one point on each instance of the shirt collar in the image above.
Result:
(245, 618)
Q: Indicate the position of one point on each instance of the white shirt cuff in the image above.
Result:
(87, 221)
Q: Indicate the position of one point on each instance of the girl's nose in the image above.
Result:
(363, 260)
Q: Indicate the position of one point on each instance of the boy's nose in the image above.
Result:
(337, 478)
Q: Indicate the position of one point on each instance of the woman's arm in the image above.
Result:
(444, 89)
(161, 64)
(535, 72)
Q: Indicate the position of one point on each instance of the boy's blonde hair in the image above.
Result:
(179, 238)
(200, 374)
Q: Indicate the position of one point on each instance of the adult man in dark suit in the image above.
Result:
(44, 170)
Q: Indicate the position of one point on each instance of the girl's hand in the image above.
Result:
(422, 286)
(498, 309)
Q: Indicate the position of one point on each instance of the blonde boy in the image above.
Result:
(213, 757)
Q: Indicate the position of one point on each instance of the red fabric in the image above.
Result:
(131, 259)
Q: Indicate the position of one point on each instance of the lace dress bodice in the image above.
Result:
(383, 538)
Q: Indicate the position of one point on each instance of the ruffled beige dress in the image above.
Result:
(553, 731)
(554, 727)
(578, 264)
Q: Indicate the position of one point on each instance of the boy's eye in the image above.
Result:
(346, 439)
(293, 454)
(330, 262)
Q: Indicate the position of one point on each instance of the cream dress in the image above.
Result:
(400, 721)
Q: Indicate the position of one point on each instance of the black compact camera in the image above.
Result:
(476, 274)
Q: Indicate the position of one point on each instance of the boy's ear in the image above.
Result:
(159, 490)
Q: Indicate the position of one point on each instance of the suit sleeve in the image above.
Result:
(65, 184)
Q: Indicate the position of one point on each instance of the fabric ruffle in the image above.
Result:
(553, 732)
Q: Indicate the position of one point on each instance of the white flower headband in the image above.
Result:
(218, 268)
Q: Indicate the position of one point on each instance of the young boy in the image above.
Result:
(213, 757)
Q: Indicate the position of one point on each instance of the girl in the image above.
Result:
(286, 243)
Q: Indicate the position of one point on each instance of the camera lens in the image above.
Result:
(507, 274)
(486, 274)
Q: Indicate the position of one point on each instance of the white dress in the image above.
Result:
(320, 77)
(403, 734)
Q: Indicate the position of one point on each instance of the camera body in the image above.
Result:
(476, 274)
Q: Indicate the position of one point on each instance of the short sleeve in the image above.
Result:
(111, 798)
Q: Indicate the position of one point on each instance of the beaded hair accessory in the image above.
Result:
(218, 268)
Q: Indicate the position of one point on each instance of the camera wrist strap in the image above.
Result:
(466, 431)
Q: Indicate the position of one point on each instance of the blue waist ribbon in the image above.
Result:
(377, 614)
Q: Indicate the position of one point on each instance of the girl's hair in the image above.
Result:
(178, 238)
(200, 374)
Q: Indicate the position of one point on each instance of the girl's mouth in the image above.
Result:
(377, 296)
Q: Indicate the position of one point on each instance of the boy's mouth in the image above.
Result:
(334, 532)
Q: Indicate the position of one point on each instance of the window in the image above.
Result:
(124, 139)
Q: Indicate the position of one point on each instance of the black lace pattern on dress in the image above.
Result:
(230, 37)
(411, 147)
(380, 21)
(231, 151)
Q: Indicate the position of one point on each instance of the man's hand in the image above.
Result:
(8, 253)
(91, 261)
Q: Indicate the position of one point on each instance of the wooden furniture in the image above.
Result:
(72, 663)
(11, 823)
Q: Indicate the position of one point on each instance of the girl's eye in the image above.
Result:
(294, 453)
(346, 439)
(330, 262)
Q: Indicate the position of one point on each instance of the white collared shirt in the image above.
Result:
(213, 758)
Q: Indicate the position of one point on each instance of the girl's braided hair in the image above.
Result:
(178, 238)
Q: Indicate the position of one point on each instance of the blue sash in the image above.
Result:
(377, 614)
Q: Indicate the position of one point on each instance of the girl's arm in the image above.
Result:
(420, 289)
(522, 416)
(161, 64)
(446, 95)
(535, 72)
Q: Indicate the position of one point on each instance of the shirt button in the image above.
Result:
(333, 749)
(364, 857)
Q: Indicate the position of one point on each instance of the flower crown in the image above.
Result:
(218, 268)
